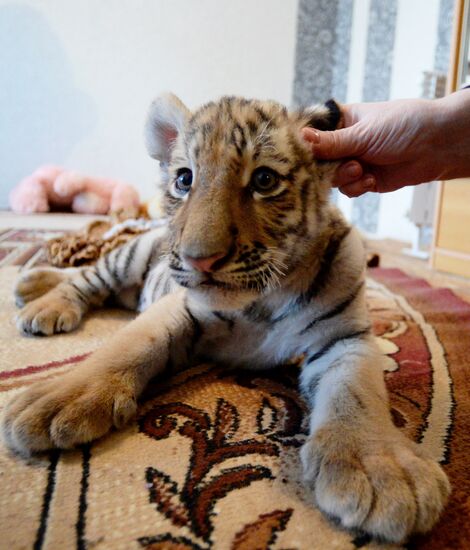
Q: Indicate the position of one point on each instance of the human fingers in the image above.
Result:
(336, 144)
(348, 172)
(359, 187)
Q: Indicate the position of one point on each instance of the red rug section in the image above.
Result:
(450, 317)
(33, 369)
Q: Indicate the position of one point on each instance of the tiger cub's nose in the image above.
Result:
(205, 264)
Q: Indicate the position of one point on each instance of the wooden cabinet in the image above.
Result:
(451, 250)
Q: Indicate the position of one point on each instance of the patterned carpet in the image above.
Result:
(212, 460)
(24, 247)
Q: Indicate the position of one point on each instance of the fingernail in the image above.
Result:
(352, 170)
(370, 183)
(311, 135)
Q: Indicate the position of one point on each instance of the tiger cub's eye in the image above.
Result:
(264, 181)
(184, 180)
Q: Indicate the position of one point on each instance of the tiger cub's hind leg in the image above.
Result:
(36, 282)
(56, 300)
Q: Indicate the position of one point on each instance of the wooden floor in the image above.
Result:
(391, 255)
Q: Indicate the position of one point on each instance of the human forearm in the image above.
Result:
(452, 138)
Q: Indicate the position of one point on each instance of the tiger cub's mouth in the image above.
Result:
(209, 281)
(230, 281)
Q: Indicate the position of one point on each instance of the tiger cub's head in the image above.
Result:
(245, 197)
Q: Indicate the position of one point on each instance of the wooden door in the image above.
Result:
(451, 251)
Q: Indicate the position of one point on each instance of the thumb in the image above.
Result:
(334, 144)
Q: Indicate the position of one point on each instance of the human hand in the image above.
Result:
(384, 146)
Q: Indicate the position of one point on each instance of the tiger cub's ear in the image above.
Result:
(327, 116)
(167, 117)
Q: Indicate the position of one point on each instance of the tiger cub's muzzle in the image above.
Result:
(243, 267)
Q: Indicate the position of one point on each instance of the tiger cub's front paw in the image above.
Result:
(67, 411)
(50, 314)
(385, 487)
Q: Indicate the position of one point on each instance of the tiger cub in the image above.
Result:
(253, 268)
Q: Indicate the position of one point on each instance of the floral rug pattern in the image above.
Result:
(212, 462)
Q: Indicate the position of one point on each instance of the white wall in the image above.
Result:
(357, 57)
(415, 43)
(77, 76)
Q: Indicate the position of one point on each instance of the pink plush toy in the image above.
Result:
(54, 188)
